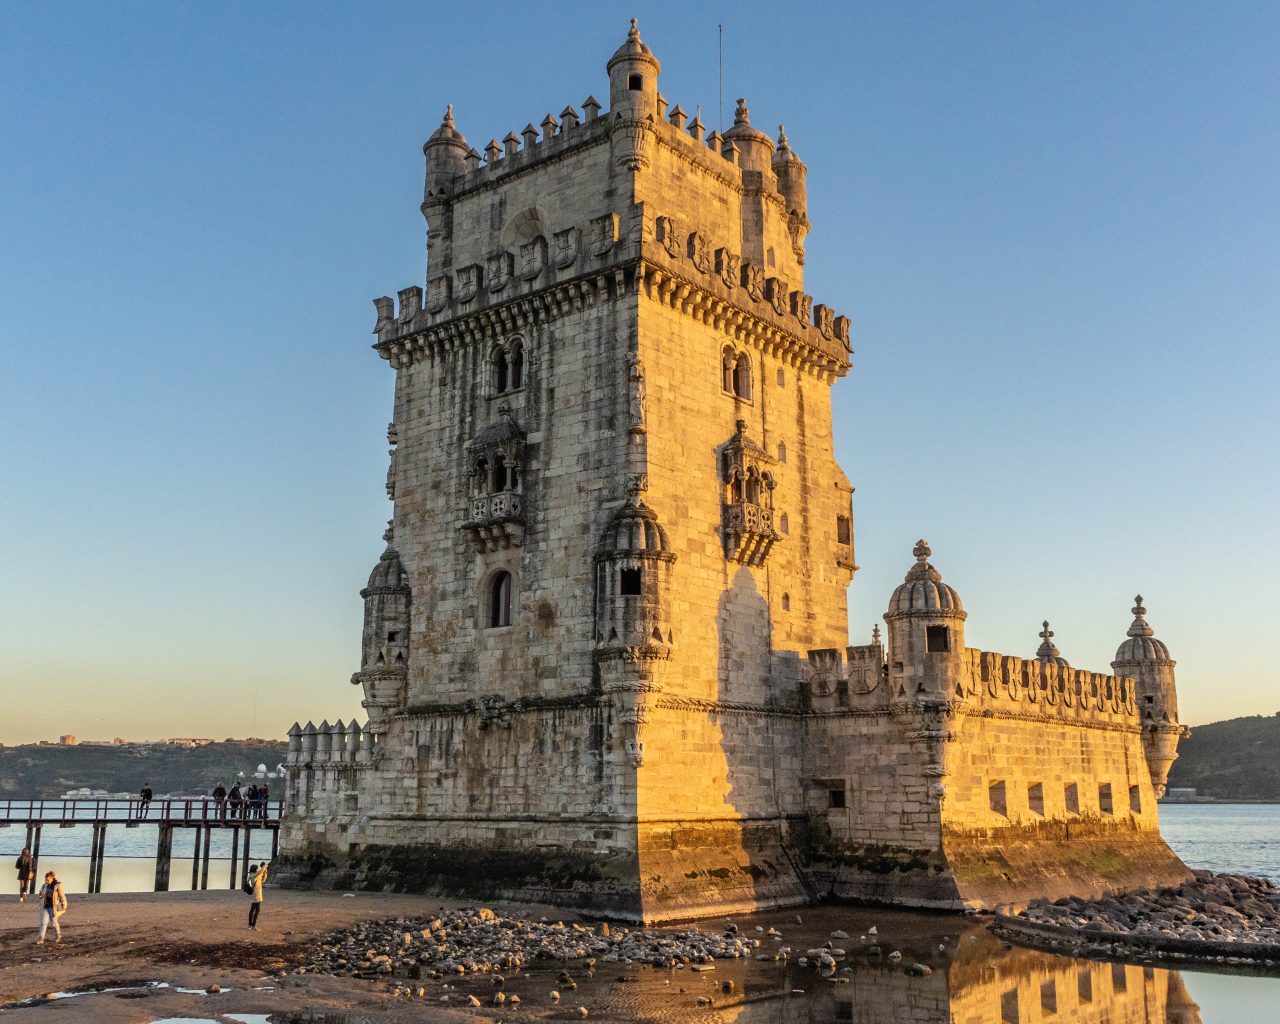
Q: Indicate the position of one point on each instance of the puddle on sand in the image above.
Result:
(238, 1018)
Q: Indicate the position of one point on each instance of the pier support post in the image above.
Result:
(235, 850)
(164, 856)
(275, 842)
(195, 858)
(34, 842)
(97, 854)
(244, 865)
(204, 867)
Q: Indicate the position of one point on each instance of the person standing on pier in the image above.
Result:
(257, 877)
(25, 866)
(251, 802)
(144, 800)
(53, 904)
(220, 799)
(235, 800)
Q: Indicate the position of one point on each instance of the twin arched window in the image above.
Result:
(498, 610)
(735, 369)
(507, 368)
(498, 475)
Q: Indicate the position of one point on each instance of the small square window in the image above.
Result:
(1135, 800)
(835, 798)
(1104, 799)
(937, 639)
(635, 83)
(393, 636)
(629, 583)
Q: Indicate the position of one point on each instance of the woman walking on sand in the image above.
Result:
(53, 904)
(26, 867)
(257, 876)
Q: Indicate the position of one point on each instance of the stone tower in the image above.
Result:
(605, 656)
(617, 512)
(1145, 659)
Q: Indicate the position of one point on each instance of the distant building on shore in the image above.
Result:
(1184, 795)
(67, 740)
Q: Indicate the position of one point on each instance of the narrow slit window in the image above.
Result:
(1135, 800)
(1035, 799)
(844, 530)
(1104, 799)
(1071, 798)
(997, 800)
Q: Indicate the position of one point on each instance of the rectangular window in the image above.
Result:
(997, 800)
(1048, 998)
(1084, 985)
(1104, 799)
(629, 582)
(1071, 797)
(1135, 800)
(393, 636)
(835, 798)
(844, 531)
(937, 639)
(1009, 1007)
(1119, 980)
(1035, 799)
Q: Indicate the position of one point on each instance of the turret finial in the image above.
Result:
(742, 115)
(1140, 625)
(782, 137)
(875, 634)
(1047, 651)
(922, 551)
(635, 28)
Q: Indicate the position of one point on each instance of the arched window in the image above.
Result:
(786, 602)
(735, 487)
(501, 371)
(782, 378)
(501, 477)
(742, 377)
(782, 451)
(784, 524)
(480, 477)
(517, 367)
(499, 604)
(753, 486)
(726, 370)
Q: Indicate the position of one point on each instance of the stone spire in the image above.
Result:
(446, 152)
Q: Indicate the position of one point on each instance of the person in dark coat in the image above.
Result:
(234, 800)
(26, 867)
(220, 799)
(144, 800)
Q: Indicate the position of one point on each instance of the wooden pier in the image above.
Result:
(203, 814)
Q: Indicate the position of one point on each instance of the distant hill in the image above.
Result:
(1234, 760)
(47, 772)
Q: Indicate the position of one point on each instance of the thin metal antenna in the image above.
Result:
(721, 28)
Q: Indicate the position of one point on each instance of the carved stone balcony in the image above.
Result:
(496, 521)
(748, 532)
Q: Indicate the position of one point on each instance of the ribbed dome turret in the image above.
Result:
(635, 530)
(1142, 644)
(447, 133)
(1047, 653)
(755, 148)
(388, 574)
(785, 154)
(923, 590)
(633, 48)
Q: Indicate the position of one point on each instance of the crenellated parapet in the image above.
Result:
(324, 762)
(1005, 684)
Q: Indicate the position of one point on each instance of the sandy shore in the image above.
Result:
(195, 940)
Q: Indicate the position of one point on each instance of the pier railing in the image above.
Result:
(204, 814)
(168, 810)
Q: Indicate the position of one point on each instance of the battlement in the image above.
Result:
(859, 679)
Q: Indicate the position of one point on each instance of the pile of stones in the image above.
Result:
(478, 941)
(1211, 909)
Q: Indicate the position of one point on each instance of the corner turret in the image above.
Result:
(755, 148)
(384, 656)
(926, 635)
(1146, 660)
(446, 152)
(791, 173)
(1047, 652)
(633, 78)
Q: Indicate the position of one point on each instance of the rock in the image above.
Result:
(473, 1000)
(918, 970)
(838, 934)
(582, 1011)
(214, 989)
(872, 930)
(895, 956)
(555, 996)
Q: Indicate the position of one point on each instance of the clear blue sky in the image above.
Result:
(1056, 228)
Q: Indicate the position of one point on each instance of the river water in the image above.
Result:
(976, 980)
